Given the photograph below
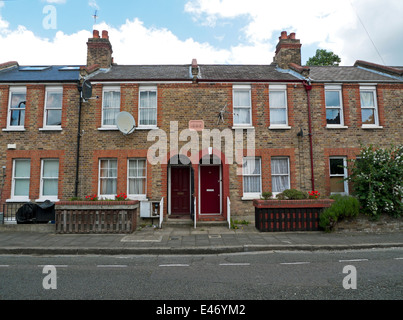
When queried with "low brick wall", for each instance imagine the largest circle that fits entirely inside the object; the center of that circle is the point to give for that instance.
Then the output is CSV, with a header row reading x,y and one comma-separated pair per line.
x,y
363,224
289,215
96,216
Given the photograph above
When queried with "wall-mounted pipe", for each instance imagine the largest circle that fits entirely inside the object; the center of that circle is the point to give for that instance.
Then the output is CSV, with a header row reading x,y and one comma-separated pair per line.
x,y
308,88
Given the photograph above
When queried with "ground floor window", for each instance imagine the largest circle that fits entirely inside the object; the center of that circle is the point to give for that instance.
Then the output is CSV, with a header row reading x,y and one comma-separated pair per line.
x,y
137,178
21,179
49,179
252,178
108,178
280,174
338,174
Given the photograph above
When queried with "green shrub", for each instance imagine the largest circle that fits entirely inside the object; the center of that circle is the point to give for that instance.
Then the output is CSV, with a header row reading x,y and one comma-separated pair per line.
x,y
377,180
343,207
266,195
292,194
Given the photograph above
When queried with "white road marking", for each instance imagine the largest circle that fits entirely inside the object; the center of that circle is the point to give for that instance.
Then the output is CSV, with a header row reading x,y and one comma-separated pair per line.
x,y
234,264
294,263
174,265
353,260
112,266
56,266
4,266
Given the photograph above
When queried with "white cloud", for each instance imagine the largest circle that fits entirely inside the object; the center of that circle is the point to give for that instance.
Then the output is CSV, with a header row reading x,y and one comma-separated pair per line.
x,y
332,25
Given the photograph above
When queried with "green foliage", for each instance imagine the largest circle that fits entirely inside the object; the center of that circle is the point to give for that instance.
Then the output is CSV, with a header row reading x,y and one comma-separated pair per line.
x,y
343,207
292,194
324,58
377,177
266,195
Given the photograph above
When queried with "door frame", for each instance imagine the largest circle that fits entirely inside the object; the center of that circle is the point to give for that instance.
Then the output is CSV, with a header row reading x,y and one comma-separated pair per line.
x,y
221,190
170,185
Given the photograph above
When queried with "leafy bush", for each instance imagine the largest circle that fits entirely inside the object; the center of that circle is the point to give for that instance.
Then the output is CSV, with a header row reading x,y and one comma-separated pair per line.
x,y
377,177
292,194
343,207
266,195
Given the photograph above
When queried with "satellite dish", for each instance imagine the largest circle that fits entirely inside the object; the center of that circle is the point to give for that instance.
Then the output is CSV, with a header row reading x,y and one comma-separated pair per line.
x,y
87,90
125,122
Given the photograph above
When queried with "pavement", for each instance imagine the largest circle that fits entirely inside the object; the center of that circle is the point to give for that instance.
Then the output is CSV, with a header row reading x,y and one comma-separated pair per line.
x,y
187,240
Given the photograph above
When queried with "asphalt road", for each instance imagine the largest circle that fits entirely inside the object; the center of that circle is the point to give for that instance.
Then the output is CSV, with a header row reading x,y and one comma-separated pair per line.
x,y
246,276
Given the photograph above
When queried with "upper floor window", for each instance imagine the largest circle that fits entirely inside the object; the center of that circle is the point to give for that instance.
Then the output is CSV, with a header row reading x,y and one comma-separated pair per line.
x,y
278,106
148,107
369,106
110,106
242,106
334,106
21,179
16,109
53,107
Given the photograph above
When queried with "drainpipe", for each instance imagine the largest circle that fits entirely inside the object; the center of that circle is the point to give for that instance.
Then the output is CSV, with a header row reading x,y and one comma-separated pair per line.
x,y
308,88
80,89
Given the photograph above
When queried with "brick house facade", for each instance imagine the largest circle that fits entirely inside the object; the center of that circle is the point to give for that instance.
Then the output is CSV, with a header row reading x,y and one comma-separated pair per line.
x,y
261,111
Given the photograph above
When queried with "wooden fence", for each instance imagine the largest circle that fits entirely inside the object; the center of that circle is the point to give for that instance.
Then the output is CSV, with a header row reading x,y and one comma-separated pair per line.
x,y
101,218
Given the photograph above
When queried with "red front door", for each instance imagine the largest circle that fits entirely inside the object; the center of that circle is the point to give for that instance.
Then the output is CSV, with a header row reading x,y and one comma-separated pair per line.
x,y
180,190
210,191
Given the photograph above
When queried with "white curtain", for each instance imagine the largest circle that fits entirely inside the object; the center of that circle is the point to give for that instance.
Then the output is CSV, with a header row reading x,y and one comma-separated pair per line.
x,y
278,108
251,175
111,107
137,177
148,108
108,176
242,108
280,175
367,99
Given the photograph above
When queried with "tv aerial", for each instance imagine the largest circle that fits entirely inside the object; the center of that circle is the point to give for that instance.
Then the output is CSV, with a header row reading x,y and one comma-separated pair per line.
x,y
125,123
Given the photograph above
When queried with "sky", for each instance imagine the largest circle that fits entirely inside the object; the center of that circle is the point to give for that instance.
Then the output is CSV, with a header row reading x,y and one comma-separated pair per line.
x,y
45,32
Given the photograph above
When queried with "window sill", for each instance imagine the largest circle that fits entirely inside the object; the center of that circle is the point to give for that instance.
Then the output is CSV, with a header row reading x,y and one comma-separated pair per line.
x,y
372,127
243,127
137,198
251,197
18,200
279,128
336,127
147,128
51,129
45,199
108,129
14,130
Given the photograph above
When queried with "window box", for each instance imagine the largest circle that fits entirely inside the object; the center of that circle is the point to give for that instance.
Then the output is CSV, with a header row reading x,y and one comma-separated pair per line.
x,y
289,215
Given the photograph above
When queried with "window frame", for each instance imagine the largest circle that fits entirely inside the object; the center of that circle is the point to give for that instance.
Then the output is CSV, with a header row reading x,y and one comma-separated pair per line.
x,y
242,88
16,90
132,195
335,88
275,193
373,90
107,89
345,174
107,196
251,195
45,116
283,89
148,89
41,196
13,197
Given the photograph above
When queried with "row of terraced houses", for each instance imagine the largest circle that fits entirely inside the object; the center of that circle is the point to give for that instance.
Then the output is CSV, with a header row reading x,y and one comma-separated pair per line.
x,y
289,126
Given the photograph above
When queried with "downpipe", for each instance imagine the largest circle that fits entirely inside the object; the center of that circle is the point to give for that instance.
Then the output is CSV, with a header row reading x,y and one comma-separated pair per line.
x,y
308,88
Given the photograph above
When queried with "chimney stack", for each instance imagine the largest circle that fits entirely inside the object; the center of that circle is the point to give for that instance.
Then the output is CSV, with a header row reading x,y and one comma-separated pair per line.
x,y
288,51
99,50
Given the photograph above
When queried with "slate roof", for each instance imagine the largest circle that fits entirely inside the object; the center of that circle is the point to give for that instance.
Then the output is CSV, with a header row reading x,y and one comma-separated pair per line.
x,y
183,73
50,74
348,74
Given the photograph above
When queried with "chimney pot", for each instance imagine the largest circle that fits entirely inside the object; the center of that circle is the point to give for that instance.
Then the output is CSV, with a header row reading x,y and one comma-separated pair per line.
x,y
284,35
292,36
105,34
95,34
